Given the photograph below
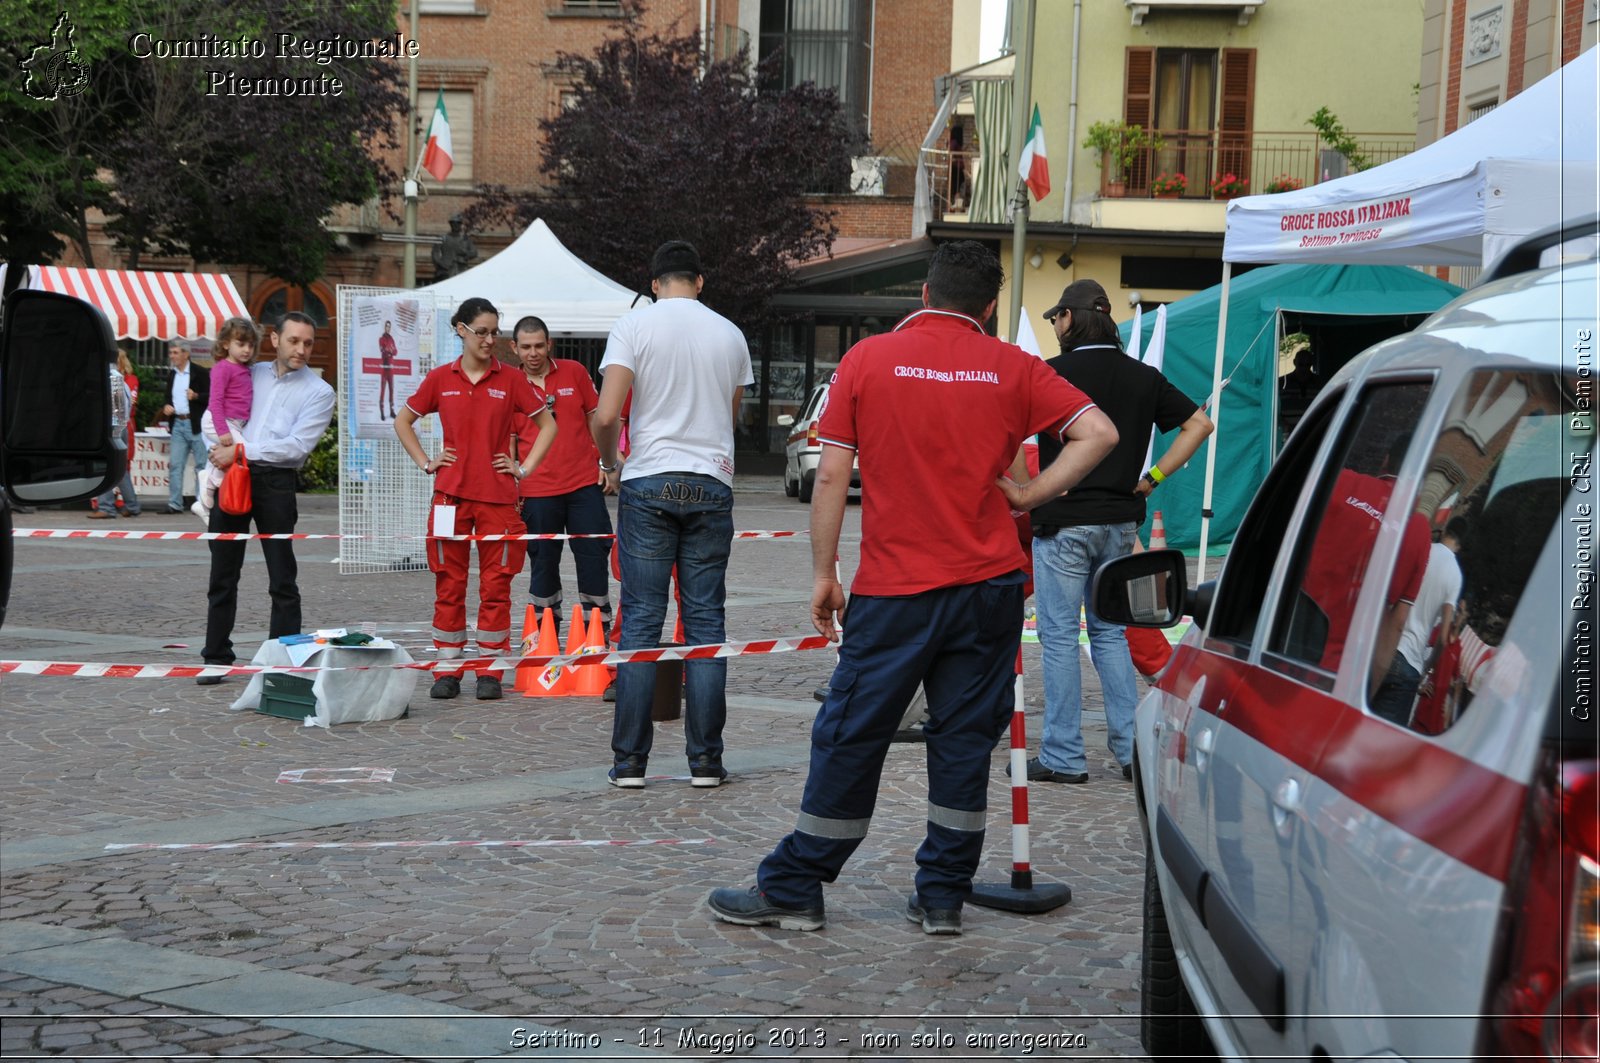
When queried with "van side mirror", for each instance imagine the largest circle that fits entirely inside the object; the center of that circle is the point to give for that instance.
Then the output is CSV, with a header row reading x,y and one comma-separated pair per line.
x,y
64,409
785,420
1141,590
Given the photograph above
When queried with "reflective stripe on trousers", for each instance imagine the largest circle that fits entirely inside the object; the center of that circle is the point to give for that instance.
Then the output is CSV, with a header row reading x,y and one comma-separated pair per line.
x,y
960,644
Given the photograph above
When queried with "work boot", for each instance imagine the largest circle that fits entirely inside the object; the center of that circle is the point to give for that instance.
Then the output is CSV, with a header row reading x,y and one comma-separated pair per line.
x,y
752,908
489,688
933,920
446,687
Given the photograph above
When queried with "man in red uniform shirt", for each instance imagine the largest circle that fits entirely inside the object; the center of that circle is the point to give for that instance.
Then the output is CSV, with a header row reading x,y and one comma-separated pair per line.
x,y
565,493
1345,539
937,598
475,486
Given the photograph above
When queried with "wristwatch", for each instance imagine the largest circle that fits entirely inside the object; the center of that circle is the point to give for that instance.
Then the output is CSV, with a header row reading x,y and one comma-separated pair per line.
x,y
609,468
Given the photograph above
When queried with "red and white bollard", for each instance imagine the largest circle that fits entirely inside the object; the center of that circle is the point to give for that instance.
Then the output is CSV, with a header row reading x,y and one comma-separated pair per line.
x,y
1021,894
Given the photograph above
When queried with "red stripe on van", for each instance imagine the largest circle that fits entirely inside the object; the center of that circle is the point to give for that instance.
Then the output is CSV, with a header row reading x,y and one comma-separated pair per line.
x,y
1433,794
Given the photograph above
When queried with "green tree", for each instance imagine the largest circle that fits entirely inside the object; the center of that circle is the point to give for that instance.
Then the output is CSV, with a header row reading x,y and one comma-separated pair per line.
x,y
177,169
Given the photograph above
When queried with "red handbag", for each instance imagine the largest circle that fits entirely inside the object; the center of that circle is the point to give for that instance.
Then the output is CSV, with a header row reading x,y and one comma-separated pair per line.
x,y
234,494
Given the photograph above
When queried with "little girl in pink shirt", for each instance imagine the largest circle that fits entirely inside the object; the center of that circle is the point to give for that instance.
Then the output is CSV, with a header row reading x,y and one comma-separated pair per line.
x,y
231,393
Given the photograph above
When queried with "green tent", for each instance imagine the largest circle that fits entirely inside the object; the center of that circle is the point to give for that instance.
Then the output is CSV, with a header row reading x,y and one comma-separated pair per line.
x,y
1329,314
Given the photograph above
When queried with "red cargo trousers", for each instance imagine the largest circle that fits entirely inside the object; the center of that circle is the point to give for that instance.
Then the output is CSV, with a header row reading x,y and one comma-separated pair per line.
x,y
498,563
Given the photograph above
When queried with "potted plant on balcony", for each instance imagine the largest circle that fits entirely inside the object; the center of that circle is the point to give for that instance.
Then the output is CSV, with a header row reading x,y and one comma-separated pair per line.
x,y
1120,147
1169,185
1285,183
1229,185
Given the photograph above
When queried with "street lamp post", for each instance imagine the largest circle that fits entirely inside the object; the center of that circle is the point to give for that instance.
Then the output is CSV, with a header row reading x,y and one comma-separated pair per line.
x,y
408,261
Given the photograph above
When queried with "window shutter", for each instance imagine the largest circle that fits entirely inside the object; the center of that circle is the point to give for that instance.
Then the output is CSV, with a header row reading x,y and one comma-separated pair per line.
x,y
1138,106
1236,114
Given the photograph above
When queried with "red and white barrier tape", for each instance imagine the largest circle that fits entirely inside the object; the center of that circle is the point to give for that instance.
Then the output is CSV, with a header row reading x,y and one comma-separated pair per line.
x,y
96,533
513,844
97,670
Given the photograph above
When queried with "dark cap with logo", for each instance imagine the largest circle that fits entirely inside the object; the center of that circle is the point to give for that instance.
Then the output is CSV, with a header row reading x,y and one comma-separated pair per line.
x,y
1080,295
675,256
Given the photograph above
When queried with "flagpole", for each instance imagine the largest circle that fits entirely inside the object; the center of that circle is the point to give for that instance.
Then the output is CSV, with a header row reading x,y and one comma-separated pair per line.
x,y
408,261
1021,102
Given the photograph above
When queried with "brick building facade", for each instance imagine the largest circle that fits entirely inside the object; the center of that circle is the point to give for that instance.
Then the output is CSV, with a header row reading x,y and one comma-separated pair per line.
x,y
1477,54
494,61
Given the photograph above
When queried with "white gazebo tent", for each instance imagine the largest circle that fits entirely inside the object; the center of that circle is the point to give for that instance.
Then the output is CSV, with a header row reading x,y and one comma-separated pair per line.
x,y
1461,201
536,274
382,502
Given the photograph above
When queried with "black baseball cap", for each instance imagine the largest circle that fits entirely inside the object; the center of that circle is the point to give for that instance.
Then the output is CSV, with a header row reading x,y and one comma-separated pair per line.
x,y
675,256
1080,295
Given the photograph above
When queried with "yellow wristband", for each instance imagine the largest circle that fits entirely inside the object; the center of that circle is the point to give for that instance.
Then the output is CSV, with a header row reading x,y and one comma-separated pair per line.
x,y
1156,474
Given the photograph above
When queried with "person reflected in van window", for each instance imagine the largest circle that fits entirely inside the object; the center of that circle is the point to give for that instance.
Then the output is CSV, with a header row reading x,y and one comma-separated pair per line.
x,y
1427,628
1344,542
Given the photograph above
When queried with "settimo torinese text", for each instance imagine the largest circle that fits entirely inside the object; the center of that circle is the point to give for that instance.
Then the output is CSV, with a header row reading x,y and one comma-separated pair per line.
x,y
321,51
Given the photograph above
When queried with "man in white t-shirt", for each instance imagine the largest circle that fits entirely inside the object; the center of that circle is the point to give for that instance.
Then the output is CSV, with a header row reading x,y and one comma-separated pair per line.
x,y
1434,607
687,367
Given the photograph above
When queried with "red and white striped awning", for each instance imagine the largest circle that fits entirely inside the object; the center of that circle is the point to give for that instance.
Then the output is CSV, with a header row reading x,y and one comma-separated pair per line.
x,y
146,305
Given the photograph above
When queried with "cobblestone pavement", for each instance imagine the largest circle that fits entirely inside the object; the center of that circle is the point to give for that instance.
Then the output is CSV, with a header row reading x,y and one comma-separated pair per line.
x,y
480,951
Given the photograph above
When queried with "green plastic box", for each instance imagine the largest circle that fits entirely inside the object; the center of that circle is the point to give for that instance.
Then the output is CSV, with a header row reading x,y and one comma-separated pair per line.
x,y
288,696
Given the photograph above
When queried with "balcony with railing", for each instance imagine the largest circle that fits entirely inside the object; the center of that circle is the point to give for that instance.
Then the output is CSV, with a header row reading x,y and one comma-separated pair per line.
x,y
1217,165
1183,173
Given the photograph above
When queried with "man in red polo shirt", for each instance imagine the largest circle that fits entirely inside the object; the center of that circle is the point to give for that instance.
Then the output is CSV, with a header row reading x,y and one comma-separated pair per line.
x,y
475,486
937,599
564,494
1345,539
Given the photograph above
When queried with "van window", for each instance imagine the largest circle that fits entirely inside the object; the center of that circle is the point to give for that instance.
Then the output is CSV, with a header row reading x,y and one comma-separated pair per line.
x,y
1494,486
1325,577
1243,585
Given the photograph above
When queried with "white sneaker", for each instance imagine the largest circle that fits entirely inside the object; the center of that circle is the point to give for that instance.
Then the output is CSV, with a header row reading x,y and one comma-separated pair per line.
x,y
199,510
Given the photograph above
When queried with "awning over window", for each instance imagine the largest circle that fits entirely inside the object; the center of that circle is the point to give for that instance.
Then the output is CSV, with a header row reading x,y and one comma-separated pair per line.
x,y
146,305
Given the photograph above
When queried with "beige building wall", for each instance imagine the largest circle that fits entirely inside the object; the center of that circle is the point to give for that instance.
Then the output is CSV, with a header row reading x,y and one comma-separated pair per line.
x,y
1356,57
1041,286
966,23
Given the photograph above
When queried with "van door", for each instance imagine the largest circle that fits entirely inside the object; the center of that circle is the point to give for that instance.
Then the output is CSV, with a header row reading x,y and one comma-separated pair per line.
x,y
1289,702
1202,687
1407,823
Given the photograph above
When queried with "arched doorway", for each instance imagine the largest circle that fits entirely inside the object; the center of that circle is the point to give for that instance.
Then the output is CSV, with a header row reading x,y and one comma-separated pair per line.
x,y
274,299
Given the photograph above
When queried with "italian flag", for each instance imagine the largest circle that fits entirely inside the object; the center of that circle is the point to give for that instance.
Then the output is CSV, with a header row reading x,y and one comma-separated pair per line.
x,y
438,156
1035,165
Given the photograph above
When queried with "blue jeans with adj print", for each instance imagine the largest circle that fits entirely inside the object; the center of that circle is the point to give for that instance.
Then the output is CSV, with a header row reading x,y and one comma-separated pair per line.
x,y
683,520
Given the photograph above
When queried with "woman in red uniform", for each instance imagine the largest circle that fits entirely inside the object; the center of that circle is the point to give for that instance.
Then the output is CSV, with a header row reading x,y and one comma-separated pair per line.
x,y
475,475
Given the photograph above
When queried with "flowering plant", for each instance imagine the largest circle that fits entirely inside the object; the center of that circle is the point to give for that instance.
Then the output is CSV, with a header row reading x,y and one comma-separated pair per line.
x,y
1165,184
1285,183
1229,185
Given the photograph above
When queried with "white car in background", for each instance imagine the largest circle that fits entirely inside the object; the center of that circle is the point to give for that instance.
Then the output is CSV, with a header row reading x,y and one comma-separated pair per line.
x,y
802,452
1331,874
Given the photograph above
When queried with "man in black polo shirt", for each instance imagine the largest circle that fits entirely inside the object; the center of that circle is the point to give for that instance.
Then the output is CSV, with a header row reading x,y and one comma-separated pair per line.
x,y
1094,523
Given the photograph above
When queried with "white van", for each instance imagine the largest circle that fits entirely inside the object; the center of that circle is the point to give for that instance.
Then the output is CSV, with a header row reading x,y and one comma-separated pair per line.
x,y
1368,777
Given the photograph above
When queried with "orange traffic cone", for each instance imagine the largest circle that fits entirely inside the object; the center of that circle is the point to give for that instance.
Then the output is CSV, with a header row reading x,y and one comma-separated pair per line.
x,y
530,631
592,678
567,684
1158,533
548,647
